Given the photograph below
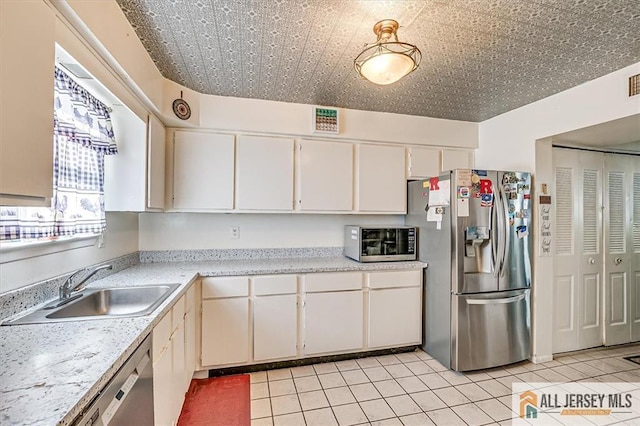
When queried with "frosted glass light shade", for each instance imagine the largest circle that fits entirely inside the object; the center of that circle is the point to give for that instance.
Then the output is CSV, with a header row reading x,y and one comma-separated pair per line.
x,y
387,68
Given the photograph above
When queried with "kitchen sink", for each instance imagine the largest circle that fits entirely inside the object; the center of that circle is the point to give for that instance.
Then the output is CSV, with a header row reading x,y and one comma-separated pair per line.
x,y
117,302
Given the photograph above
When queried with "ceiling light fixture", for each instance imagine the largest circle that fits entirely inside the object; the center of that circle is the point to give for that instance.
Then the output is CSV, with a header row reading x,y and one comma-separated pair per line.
x,y
387,60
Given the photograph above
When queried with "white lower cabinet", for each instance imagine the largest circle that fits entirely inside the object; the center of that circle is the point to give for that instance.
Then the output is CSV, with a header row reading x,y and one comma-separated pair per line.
x,y
333,312
395,308
275,317
333,322
225,321
251,320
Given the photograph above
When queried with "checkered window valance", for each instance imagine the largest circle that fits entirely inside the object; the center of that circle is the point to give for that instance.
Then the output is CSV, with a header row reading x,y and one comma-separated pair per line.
x,y
82,136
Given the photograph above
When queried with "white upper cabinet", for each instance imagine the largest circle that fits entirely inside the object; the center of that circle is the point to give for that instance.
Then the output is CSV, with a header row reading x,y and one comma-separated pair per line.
x,y
452,159
264,173
422,163
27,34
380,179
325,176
155,163
203,171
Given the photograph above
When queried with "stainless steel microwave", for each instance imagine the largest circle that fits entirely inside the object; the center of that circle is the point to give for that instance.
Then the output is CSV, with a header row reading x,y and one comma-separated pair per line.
x,y
380,243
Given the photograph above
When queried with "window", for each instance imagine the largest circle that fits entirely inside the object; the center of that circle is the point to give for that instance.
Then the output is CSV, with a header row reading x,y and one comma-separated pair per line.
x,y
83,135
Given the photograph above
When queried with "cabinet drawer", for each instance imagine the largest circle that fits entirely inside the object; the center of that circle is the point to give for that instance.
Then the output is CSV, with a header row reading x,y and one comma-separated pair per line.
x,y
160,337
217,287
390,279
275,284
332,281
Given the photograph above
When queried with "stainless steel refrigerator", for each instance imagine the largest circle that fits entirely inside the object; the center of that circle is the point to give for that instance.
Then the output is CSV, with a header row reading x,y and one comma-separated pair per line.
x,y
474,232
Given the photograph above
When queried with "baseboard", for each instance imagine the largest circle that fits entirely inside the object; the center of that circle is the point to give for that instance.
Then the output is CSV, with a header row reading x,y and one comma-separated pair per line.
x,y
539,359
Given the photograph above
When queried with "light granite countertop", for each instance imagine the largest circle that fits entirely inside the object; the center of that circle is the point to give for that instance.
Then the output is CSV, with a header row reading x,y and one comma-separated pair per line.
x,y
50,372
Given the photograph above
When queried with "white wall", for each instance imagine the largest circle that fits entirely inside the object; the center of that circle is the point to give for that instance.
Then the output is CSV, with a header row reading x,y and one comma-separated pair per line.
x,y
508,140
121,238
514,141
193,231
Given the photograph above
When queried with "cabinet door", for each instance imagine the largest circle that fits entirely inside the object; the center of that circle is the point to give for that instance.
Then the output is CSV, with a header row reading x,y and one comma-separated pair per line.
x,y
423,163
333,322
27,42
163,388
155,163
275,330
452,159
178,371
203,169
225,331
395,317
189,346
264,173
325,176
380,183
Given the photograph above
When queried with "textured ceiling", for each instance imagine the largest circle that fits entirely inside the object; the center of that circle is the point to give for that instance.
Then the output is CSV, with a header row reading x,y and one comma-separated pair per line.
x,y
480,57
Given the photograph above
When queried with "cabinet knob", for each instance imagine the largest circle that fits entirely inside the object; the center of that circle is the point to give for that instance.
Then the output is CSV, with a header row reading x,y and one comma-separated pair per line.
x,y
591,261
618,260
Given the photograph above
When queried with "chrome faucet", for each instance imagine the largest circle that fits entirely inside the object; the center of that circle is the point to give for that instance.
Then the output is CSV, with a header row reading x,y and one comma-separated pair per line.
x,y
67,288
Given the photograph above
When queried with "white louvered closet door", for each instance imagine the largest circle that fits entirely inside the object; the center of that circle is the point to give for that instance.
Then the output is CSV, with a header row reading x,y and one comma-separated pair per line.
x,y
618,291
635,248
577,313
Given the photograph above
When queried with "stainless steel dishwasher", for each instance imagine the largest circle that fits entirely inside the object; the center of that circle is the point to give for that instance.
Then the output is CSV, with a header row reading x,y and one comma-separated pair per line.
x,y
128,398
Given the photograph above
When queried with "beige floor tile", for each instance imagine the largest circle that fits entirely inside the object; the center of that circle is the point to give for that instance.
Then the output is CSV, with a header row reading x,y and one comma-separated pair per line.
x,y
368,363
313,400
260,408
388,422
495,409
364,392
377,374
377,409
473,392
306,384
451,396
258,377
408,357
494,388
259,390
339,396
265,421
346,365
389,388
282,387
418,367
388,360
398,370
331,380
434,381
445,417
419,419
472,415
412,384
303,371
295,419
428,401
321,417
552,376
324,368
350,414
436,365
454,377
285,405
355,377
403,405
281,374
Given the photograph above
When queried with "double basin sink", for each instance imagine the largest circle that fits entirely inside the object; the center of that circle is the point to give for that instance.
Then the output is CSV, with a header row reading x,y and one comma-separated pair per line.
x,y
116,302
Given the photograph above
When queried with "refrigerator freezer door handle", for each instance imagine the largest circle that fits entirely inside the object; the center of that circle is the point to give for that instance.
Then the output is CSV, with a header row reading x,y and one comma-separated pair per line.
x,y
494,239
496,301
506,239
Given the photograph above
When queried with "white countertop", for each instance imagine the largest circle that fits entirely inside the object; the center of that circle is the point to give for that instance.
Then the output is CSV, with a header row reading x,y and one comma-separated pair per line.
x,y
50,372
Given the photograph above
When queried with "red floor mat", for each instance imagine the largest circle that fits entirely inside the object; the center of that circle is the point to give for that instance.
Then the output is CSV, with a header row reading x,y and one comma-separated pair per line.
x,y
220,401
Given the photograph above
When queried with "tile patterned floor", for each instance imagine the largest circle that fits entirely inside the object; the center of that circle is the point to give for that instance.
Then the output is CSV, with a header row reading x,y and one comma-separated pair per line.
x,y
415,389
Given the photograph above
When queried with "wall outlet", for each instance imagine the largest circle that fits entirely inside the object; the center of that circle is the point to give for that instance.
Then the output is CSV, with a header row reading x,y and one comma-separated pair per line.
x,y
234,232
101,241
